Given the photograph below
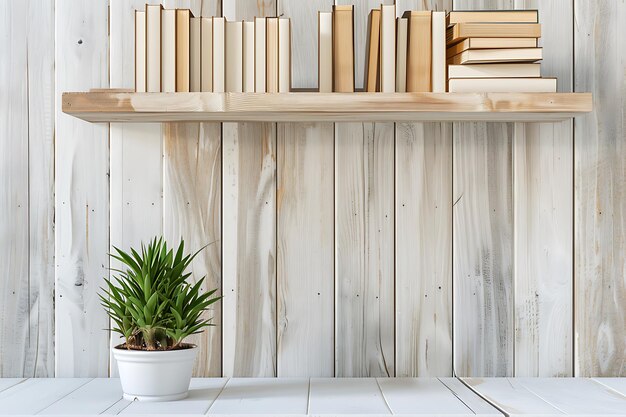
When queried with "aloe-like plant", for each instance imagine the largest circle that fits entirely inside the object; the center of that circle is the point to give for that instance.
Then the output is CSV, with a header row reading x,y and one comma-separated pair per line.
x,y
150,301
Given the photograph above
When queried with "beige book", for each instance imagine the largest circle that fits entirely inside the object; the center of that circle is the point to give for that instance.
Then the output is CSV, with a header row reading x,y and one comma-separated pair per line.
x,y
419,57
490,43
495,71
493,16
140,51
325,52
284,55
502,85
402,27
259,54
219,61
372,60
206,55
271,45
343,49
461,31
438,46
486,56
388,49
248,57
183,17
194,54
153,48
234,57
168,50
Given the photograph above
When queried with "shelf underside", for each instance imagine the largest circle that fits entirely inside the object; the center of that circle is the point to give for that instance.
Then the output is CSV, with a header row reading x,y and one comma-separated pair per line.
x,y
112,106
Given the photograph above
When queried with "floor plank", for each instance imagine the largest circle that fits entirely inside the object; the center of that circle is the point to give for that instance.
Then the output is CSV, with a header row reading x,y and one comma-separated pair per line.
x,y
35,395
6,383
346,396
95,397
479,406
618,384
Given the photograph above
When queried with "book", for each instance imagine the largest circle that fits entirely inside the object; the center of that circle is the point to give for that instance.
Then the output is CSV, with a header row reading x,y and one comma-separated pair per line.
x,y
485,56
248,57
402,27
372,60
343,49
438,60
284,55
259,54
492,16
271,56
153,48
168,50
219,61
495,71
183,17
194,53
140,51
388,48
490,43
419,56
206,54
325,52
502,85
460,31
234,57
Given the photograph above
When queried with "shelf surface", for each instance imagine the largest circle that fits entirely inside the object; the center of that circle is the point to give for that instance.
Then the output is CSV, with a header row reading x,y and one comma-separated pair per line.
x,y
116,106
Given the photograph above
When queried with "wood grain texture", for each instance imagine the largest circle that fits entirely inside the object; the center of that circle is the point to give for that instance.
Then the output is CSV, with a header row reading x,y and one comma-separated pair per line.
x,y
249,234
600,190
82,197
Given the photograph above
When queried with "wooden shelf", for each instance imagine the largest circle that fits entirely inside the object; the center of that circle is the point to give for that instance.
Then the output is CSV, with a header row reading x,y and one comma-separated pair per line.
x,y
115,106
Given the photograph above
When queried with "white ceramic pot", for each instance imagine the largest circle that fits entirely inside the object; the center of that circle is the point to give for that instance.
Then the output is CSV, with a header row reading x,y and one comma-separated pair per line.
x,y
155,375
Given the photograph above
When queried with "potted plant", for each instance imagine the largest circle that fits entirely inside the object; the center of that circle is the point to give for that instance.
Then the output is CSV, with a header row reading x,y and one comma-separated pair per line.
x,y
154,308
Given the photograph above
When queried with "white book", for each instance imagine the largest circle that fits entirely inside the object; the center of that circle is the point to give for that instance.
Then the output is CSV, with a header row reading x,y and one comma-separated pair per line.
x,y
259,54
194,54
502,85
168,50
153,48
325,52
495,71
218,54
248,57
206,55
284,55
438,62
140,51
388,48
234,57
402,31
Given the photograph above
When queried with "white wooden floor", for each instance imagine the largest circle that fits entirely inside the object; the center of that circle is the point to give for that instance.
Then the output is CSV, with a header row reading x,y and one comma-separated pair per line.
x,y
327,396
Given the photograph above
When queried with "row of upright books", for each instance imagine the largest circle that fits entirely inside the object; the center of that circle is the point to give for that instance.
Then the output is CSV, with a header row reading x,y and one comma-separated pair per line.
x,y
178,52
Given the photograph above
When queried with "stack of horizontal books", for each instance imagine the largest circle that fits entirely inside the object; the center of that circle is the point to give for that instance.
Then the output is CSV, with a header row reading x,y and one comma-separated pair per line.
x,y
495,51
178,52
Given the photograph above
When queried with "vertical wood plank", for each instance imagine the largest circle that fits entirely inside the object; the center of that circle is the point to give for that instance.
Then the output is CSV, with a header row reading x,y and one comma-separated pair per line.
x,y
249,234
600,190
81,190
423,240
543,215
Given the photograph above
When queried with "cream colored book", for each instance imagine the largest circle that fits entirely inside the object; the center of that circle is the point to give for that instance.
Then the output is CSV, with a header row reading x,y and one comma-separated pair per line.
x,y
183,17
153,48
234,57
419,56
168,50
248,57
259,54
194,54
271,57
284,55
388,48
325,52
502,85
343,49
206,55
485,56
218,54
495,71
372,62
438,71
402,27
140,51
461,31
490,43
493,16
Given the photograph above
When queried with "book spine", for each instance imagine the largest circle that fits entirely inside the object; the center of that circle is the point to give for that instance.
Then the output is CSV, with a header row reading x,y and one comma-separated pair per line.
x,y
206,67
218,54
234,57
259,54
388,48
248,57
439,52
284,55
194,54
325,52
153,48
140,51
401,42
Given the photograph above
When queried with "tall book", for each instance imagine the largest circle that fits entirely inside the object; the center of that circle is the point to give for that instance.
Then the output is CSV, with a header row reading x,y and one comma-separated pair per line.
x,y
485,56
438,46
284,55
343,49
183,17
219,39
248,57
502,85
372,59
140,51
206,55
234,57
153,48
259,54
194,54
168,50
402,27
419,57
325,52
271,57
388,48
461,31
493,16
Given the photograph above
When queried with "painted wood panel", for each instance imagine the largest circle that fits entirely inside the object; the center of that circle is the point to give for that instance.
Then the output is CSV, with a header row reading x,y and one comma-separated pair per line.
x,y
81,194
249,234
240,396
600,190
345,396
36,394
